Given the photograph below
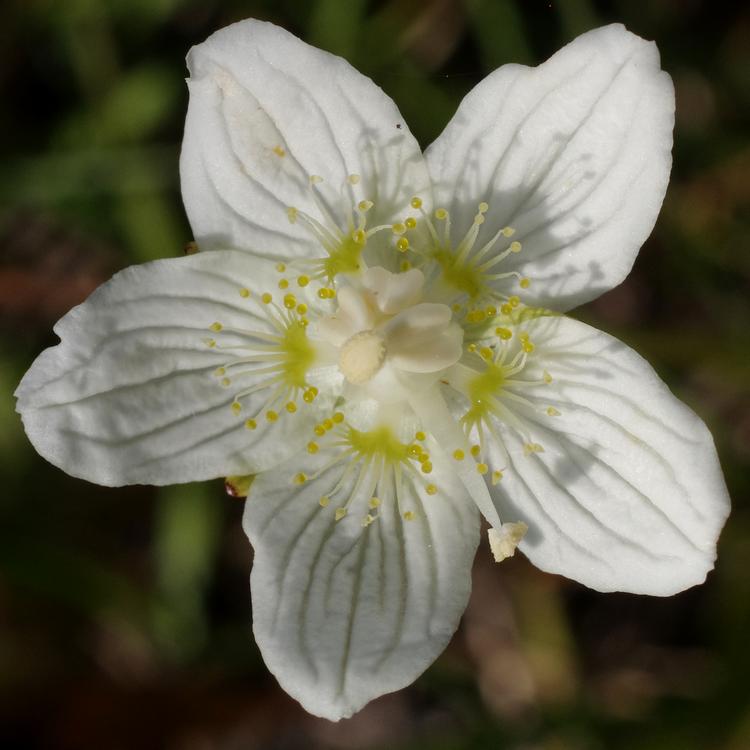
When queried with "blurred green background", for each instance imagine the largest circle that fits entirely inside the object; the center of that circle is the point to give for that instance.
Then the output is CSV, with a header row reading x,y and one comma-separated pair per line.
x,y
124,614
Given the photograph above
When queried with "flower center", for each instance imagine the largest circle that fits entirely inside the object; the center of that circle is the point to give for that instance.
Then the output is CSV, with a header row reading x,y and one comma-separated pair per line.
x,y
361,356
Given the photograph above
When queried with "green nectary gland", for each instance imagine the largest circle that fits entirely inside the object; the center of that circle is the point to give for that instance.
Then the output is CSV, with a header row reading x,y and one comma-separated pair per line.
x,y
299,355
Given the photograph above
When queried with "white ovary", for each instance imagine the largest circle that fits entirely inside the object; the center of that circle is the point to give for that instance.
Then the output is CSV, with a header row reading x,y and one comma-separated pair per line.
x,y
387,340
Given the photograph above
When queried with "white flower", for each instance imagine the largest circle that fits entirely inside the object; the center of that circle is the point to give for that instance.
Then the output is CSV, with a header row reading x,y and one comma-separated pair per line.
x,y
366,331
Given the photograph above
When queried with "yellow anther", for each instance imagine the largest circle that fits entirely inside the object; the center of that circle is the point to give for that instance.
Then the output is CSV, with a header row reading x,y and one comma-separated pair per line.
x,y
491,311
271,415
486,353
416,202
530,448
456,307
291,214
319,430
290,301
250,424
515,246
266,298
398,228
281,267
431,489
409,515
496,476
402,244
479,219
312,447
302,308
476,450
414,451
308,397
405,266
291,407
410,222
506,309
303,280
527,346
458,454
210,343
339,514
365,206
299,478
426,467
441,214
504,333
338,417
514,301
374,502
236,407
244,292
323,502
353,179
483,208
483,468
471,348
552,412
219,371
367,520
424,456
225,382
216,326
326,293
547,377
327,424
315,179
359,236
508,231
524,283
420,436
283,284
279,151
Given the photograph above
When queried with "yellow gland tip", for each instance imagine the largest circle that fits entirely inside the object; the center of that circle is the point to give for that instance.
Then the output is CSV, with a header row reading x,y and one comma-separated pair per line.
x,y
402,244
441,214
216,326
312,447
365,206
244,292
225,382
300,478
374,502
416,202
338,417
547,377
496,477
266,298
524,283
458,454
323,502
530,448
426,467
431,489
482,468
291,214
515,246
236,407
552,412
339,514
353,179
250,424
283,284
476,450
280,267
279,151
409,515
291,407
420,436
271,416
411,223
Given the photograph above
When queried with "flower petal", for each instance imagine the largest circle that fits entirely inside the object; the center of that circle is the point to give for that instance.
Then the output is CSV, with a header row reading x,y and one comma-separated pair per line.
x,y
132,394
627,494
266,113
344,612
575,155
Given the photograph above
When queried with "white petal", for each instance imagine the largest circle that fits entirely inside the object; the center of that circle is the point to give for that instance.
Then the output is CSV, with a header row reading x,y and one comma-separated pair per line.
x,y
131,394
344,613
574,154
628,494
393,292
267,112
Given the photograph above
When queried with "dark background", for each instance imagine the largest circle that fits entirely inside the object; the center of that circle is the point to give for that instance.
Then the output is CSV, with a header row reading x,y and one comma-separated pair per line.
x,y
124,614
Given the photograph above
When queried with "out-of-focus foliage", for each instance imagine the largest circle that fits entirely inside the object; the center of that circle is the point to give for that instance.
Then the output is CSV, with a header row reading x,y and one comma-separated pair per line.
x,y
124,614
